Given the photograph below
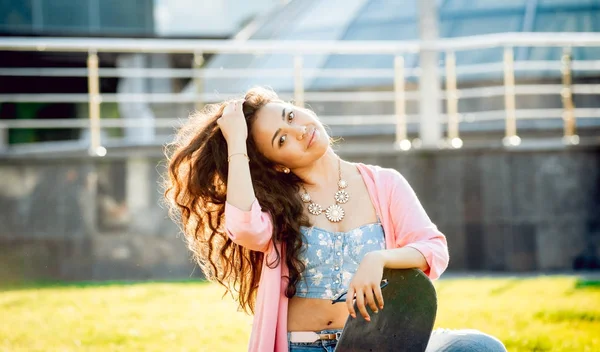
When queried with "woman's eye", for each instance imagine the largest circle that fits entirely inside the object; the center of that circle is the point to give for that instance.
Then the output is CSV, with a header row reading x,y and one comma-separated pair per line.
x,y
282,140
291,116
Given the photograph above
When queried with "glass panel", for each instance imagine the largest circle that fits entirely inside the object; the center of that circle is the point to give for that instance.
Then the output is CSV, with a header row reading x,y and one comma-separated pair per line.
x,y
16,15
467,5
66,15
275,61
293,22
480,56
354,62
382,31
126,16
359,61
329,33
239,85
231,61
331,13
567,22
477,26
385,10
567,2
546,53
480,25
280,22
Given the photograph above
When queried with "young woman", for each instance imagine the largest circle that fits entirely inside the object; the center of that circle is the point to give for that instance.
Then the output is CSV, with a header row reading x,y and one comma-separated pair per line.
x,y
273,214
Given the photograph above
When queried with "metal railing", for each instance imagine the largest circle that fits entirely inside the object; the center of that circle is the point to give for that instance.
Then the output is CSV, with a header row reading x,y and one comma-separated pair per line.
x,y
300,49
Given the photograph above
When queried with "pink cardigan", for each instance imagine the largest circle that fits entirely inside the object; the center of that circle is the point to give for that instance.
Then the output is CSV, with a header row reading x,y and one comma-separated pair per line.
x,y
405,224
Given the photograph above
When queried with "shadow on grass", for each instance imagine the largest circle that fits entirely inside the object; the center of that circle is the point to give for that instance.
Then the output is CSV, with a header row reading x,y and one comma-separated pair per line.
x,y
587,284
532,343
560,316
505,287
41,285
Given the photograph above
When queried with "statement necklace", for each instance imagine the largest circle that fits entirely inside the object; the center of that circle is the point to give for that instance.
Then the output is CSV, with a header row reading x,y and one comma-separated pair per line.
x,y
333,213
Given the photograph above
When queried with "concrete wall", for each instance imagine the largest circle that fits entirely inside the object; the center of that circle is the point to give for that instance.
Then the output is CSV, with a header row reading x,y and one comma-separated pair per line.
x,y
77,218
509,210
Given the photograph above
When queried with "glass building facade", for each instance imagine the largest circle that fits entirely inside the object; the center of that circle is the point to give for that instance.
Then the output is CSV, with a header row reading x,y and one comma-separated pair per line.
x,y
398,20
77,17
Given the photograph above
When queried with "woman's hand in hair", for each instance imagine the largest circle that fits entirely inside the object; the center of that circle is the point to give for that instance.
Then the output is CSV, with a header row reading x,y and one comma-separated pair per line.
x,y
233,124
366,286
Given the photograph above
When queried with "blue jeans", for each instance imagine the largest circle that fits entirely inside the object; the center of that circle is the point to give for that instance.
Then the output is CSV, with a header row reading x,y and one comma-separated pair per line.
x,y
322,346
442,340
446,340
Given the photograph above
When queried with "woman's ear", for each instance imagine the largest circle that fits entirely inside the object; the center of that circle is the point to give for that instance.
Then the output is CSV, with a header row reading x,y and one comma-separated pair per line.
x,y
280,168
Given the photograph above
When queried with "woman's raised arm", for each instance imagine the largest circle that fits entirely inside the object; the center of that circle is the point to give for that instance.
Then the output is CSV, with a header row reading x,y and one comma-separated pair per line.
x,y
245,223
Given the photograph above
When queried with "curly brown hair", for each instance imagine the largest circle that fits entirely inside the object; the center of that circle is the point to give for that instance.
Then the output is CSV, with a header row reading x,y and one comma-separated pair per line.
x,y
196,190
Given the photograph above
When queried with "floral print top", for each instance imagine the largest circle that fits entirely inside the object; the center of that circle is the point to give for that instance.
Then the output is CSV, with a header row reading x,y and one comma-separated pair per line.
x,y
332,258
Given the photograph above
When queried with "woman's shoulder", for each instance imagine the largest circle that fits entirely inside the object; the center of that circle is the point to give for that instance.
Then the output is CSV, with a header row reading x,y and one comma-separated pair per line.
x,y
380,174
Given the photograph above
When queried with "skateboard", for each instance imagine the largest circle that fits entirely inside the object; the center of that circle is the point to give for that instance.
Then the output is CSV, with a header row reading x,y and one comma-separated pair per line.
x,y
404,324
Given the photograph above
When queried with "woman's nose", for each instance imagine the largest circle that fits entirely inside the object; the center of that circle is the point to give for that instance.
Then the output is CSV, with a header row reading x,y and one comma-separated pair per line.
x,y
301,133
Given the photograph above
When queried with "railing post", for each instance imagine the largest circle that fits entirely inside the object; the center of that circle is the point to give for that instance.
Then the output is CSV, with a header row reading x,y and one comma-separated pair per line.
x,y
197,79
94,104
3,137
430,128
510,138
402,142
452,101
570,137
298,82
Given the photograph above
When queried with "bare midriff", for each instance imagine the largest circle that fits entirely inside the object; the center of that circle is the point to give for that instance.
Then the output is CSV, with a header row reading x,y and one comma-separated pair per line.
x,y
313,314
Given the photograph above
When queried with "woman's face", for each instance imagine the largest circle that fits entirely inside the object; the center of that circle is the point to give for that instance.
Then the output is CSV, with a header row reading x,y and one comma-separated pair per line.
x,y
289,136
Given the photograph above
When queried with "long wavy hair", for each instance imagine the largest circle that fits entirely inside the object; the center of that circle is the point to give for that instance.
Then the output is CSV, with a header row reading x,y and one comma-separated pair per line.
x,y
196,190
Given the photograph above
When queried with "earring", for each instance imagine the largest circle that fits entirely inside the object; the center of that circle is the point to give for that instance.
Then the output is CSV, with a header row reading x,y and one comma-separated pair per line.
x,y
286,170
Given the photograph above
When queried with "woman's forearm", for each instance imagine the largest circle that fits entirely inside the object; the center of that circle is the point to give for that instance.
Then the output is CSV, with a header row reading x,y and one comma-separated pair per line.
x,y
402,258
240,192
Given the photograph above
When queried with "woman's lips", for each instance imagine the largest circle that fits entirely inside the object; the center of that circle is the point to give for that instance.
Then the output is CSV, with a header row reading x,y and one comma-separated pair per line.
x,y
312,138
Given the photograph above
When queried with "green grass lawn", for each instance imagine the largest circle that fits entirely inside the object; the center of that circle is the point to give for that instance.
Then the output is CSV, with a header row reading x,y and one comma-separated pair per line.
x,y
538,314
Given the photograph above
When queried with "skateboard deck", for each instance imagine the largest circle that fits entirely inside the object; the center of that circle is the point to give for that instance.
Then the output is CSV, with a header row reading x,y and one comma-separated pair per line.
x,y
404,324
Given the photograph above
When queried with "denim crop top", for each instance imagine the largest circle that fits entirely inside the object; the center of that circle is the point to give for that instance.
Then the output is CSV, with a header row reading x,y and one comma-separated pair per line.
x,y
332,258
